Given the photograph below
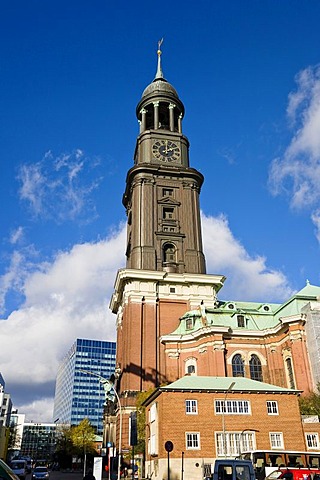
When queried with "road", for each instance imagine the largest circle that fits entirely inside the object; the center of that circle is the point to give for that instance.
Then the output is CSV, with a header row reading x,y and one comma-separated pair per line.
x,y
61,475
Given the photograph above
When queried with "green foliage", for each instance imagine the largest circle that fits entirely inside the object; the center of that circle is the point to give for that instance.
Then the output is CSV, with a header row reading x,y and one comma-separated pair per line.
x,y
14,437
310,405
141,420
83,436
74,440
64,440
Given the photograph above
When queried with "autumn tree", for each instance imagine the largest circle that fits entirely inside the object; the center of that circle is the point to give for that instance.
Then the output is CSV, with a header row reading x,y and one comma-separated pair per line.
x,y
83,438
75,440
310,404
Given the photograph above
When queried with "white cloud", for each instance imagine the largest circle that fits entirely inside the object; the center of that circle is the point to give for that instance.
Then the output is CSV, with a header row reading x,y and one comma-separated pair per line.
x,y
13,278
297,172
38,410
65,300
69,297
248,278
60,188
16,235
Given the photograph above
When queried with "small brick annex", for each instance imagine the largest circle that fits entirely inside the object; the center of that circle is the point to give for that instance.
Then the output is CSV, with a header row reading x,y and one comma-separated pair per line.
x,y
168,419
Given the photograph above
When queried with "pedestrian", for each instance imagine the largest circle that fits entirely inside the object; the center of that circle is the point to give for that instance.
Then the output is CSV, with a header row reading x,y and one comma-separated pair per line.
x,y
89,476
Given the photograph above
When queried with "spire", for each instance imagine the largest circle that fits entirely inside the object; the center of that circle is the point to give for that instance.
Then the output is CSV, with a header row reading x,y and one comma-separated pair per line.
x,y
159,73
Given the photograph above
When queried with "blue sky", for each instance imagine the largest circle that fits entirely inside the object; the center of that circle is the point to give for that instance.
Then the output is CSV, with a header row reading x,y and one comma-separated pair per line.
x,y
71,75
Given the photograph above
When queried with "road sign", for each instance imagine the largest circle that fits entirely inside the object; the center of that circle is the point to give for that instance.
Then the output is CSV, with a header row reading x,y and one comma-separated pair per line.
x,y
168,446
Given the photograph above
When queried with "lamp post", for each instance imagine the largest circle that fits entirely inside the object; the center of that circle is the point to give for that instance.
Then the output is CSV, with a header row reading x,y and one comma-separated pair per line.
x,y
110,393
223,416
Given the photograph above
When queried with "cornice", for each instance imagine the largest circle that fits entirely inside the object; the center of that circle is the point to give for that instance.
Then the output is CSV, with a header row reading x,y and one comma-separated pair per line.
x,y
127,276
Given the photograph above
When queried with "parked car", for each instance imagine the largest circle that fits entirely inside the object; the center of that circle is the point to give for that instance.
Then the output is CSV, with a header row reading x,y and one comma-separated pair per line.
x,y
40,473
290,473
19,467
229,469
6,473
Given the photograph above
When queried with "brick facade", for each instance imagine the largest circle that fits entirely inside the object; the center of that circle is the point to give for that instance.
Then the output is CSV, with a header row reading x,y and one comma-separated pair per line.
x,y
172,423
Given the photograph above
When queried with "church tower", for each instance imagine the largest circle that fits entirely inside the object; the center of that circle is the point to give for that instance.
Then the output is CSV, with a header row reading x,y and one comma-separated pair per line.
x,y
165,273
162,191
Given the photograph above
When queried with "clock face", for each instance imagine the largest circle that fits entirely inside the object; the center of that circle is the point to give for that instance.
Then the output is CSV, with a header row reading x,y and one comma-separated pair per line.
x,y
166,150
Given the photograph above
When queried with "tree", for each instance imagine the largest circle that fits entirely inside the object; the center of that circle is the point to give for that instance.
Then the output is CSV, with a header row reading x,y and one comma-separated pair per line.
x,y
141,420
14,437
83,438
76,440
310,405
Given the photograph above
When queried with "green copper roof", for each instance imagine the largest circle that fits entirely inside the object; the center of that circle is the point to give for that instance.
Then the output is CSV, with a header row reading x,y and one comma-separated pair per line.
x,y
223,384
310,291
257,317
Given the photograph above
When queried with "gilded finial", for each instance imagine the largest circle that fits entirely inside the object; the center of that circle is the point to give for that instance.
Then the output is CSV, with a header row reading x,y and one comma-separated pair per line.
x,y
159,46
159,73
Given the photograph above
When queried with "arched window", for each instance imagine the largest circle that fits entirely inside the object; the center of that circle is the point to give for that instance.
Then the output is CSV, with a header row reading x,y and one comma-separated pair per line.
x,y
255,368
169,253
290,373
191,366
237,366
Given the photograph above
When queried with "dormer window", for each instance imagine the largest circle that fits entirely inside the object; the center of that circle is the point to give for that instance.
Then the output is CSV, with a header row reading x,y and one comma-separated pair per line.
x,y
240,320
231,306
189,323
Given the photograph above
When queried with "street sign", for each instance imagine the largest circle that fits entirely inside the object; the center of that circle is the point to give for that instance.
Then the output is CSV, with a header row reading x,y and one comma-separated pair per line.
x,y
168,446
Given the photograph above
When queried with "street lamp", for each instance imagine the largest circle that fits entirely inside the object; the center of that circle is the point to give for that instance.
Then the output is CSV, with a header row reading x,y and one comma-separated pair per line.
x,y
110,394
223,418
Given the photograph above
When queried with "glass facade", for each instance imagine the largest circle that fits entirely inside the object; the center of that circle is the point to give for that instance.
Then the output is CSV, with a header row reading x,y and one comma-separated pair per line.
x,y
38,441
79,395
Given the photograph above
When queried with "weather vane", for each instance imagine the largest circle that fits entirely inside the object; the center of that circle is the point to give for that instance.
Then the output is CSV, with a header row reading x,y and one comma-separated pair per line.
x,y
159,46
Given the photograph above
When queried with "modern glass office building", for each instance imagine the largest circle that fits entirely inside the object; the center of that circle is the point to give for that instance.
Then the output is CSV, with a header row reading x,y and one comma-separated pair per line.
x,y
80,395
38,441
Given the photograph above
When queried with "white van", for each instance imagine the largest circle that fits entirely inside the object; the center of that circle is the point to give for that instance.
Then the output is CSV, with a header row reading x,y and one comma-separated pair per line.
x,y
19,467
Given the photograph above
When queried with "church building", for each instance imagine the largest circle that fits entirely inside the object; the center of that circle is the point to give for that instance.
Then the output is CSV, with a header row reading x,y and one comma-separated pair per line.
x,y
171,321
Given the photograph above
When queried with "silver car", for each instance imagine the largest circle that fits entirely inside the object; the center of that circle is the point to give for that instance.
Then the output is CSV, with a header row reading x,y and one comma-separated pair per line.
x,y
40,473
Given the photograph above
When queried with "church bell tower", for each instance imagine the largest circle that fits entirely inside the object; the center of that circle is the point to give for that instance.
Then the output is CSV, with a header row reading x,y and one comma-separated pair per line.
x,y
162,191
165,274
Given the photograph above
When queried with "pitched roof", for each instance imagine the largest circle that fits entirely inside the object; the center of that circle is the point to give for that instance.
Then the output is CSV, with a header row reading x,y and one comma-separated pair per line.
x,y
223,384
230,385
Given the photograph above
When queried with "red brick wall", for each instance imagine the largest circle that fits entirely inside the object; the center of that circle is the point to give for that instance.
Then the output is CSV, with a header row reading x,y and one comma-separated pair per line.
x,y
142,324
173,421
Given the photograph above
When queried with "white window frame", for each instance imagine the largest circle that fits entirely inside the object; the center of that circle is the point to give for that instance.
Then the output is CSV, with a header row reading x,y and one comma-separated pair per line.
x,y
276,440
312,440
194,439
153,412
191,407
153,444
272,407
189,323
234,443
232,407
